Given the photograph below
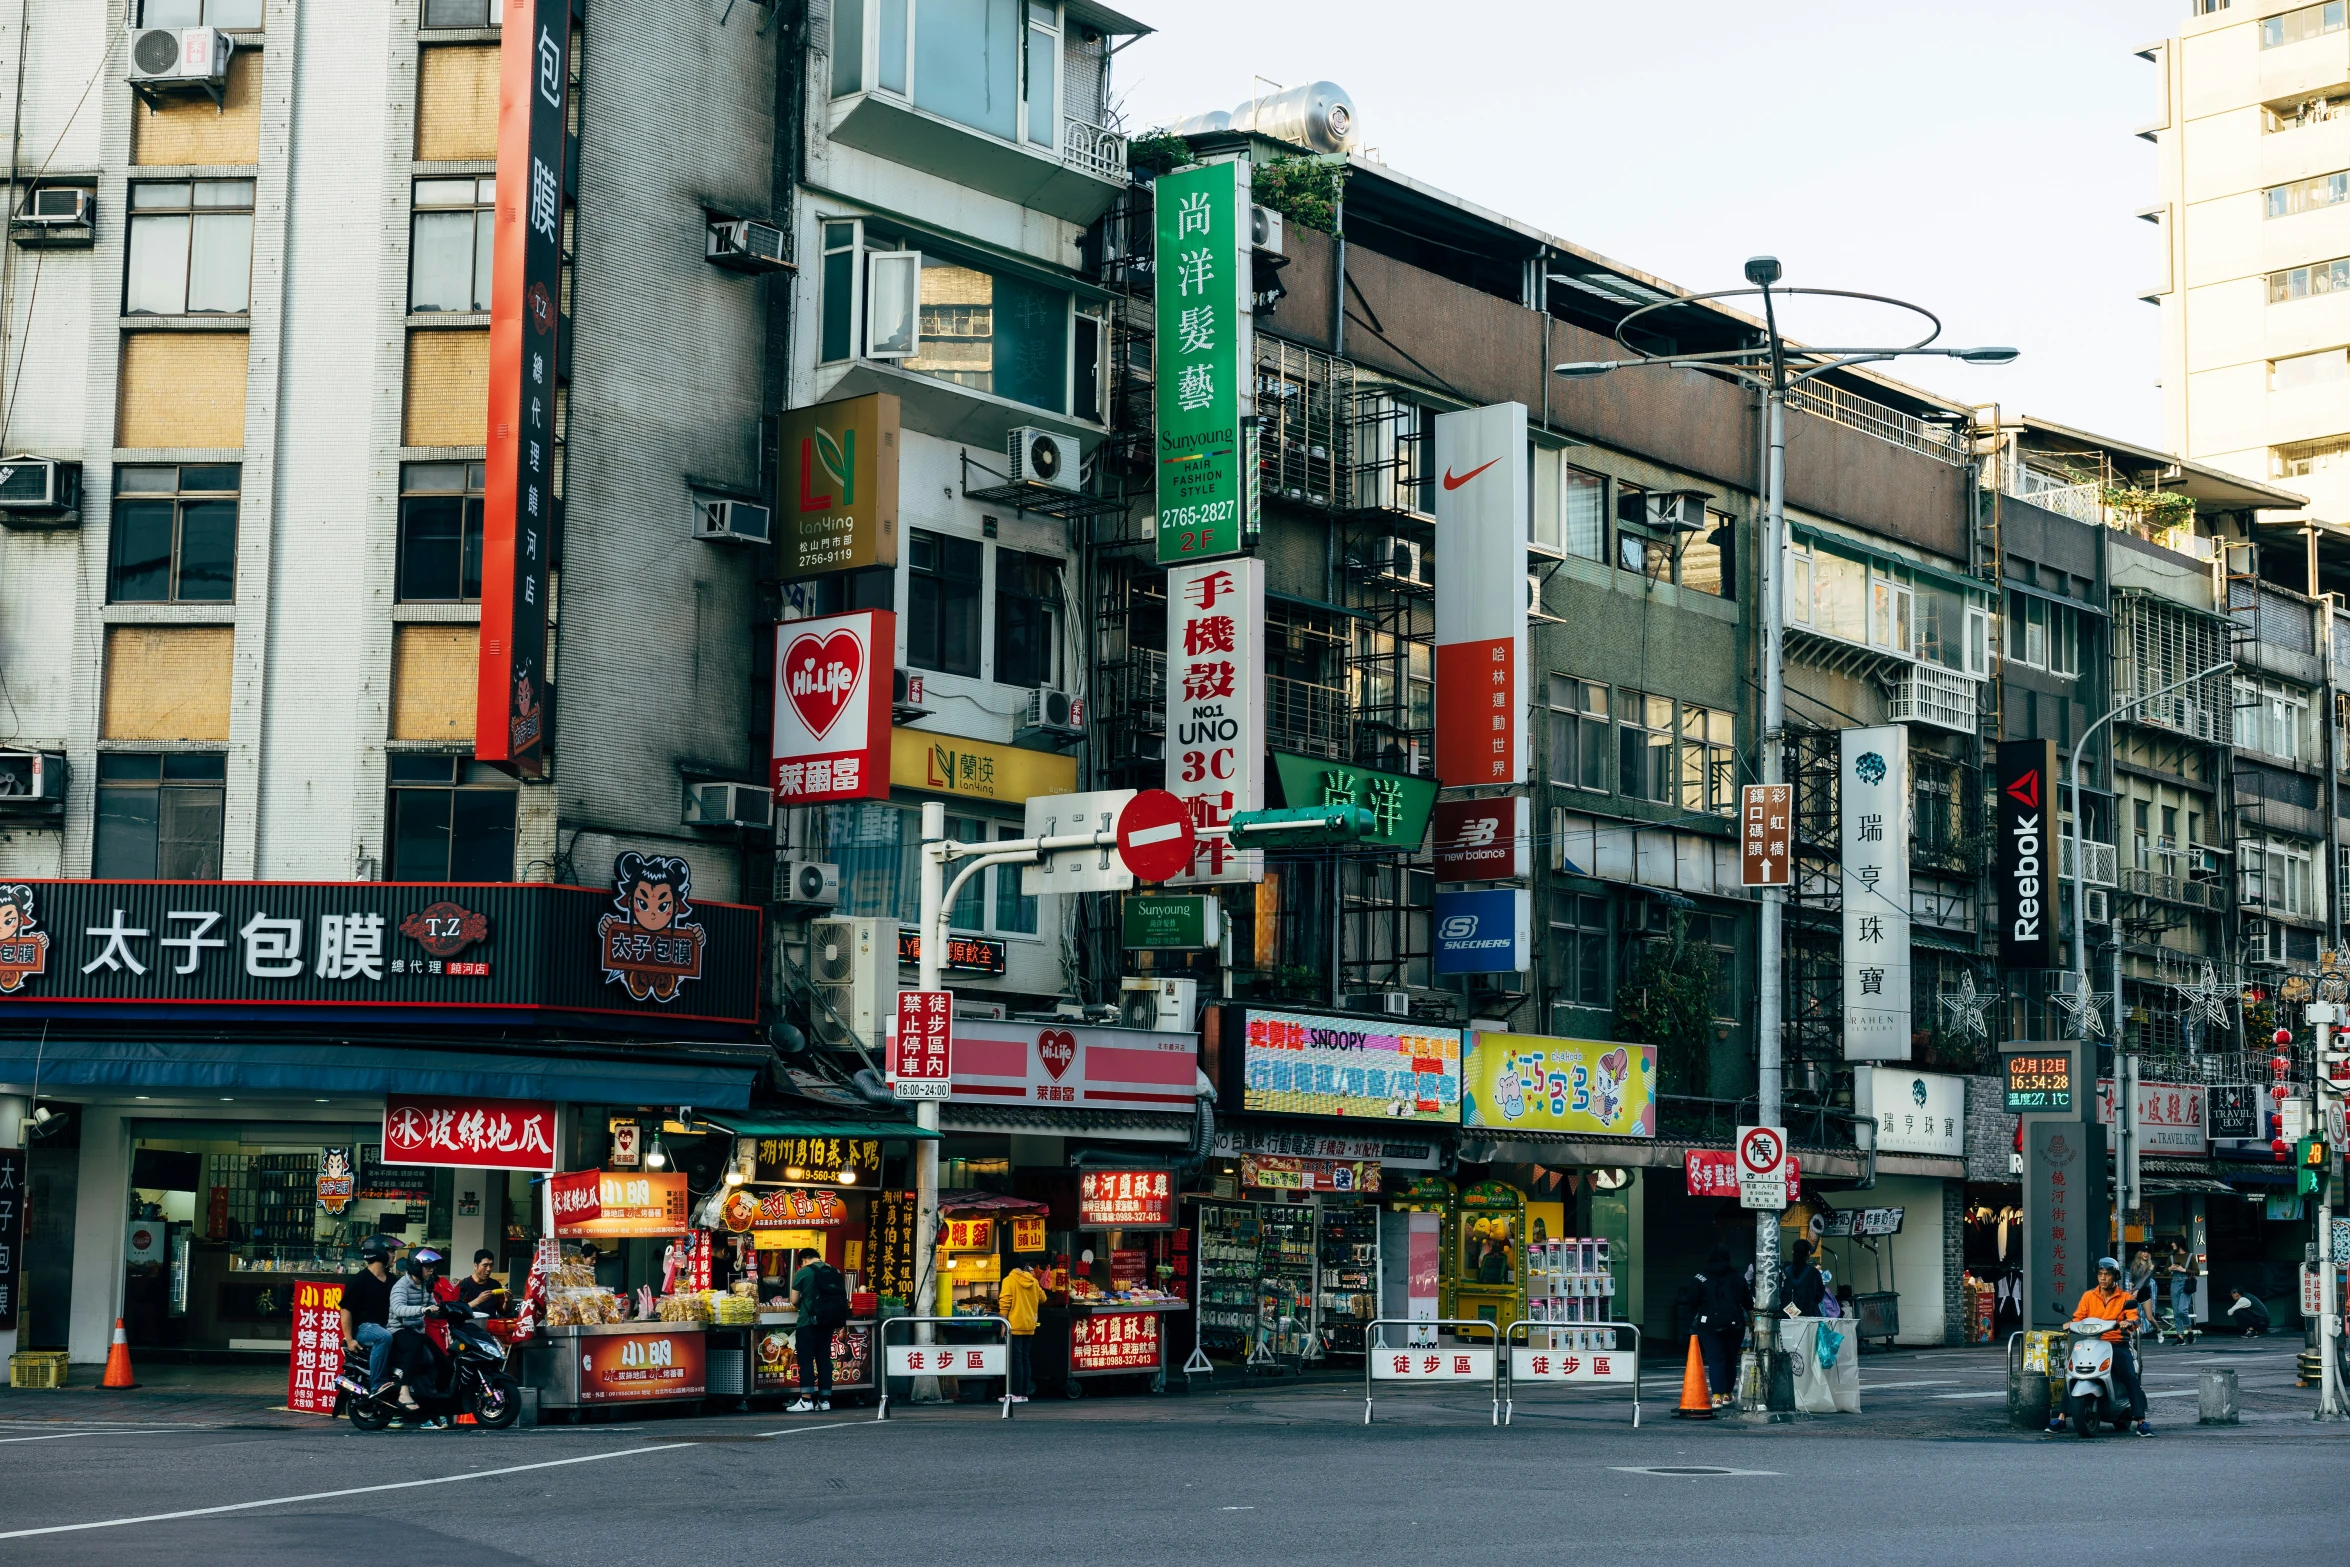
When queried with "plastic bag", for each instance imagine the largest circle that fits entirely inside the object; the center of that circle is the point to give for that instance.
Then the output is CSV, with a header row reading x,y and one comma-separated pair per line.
x,y
1827,1346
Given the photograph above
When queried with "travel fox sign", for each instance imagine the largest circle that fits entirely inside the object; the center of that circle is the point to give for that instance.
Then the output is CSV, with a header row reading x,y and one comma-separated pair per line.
x,y
1206,425
832,707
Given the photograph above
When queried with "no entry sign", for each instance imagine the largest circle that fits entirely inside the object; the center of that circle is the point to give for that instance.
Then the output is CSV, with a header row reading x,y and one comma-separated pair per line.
x,y
1762,1167
1155,836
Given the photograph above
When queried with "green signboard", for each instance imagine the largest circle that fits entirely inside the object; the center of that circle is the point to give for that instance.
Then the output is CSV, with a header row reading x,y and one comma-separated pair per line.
x,y
1172,923
1398,805
1206,450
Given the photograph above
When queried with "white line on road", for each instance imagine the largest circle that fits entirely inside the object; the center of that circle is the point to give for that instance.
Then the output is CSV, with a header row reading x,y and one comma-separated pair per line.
x,y
59,1436
1886,1387
1994,1393
836,1425
2176,1392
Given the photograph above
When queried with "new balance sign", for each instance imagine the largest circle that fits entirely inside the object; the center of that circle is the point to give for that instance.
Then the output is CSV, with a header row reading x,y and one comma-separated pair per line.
x,y
2026,878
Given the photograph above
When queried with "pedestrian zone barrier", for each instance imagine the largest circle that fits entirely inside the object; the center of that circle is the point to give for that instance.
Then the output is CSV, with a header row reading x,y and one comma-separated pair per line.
x,y
946,1360
1529,1362
1430,1362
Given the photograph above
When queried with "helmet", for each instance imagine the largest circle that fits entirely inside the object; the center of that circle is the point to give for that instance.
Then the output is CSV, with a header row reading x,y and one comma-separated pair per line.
x,y
421,1258
2104,1263
378,1248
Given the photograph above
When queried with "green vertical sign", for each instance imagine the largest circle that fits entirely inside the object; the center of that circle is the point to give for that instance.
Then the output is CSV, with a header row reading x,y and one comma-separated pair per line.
x,y
1207,480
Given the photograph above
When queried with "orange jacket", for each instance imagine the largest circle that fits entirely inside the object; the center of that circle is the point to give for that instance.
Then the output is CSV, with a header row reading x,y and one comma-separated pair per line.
x,y
2114,1305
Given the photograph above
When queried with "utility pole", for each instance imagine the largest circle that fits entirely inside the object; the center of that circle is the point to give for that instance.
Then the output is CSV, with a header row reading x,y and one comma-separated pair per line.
x,y
2323,1016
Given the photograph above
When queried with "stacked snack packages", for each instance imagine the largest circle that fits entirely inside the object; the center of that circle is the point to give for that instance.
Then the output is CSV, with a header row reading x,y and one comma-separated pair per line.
x,y
574,1299
738,1307
686,1306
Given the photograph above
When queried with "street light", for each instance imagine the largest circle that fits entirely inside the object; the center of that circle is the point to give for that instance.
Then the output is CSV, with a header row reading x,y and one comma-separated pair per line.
x,y
1773,366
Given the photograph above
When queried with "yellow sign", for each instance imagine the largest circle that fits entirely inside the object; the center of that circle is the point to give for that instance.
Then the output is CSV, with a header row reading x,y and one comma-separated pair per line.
x,y
975,769
1526,1082
1027,1235
839,506
967,1234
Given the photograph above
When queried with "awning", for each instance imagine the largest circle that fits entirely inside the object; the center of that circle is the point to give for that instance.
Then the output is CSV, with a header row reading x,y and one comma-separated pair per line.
x,y
970,1199
2174,1185
1127,1126
762,1124
2237,1176
370,1069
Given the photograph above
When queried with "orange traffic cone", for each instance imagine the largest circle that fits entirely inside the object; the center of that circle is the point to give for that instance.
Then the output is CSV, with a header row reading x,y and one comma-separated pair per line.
x,y
1697,1403
118,1361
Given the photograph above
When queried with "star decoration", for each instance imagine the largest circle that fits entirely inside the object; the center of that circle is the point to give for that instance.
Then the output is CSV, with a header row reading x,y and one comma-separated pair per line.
x,y
1965,1007
2086,1008
2206,998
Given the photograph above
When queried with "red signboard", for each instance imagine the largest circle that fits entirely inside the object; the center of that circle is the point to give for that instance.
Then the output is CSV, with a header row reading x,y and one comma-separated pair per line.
x,y
317,1357
1483,840
1156,837
1125,1199
1713,1172
778,1363
1120,1341
832,707
578,1197
469,1134
620,1203
661,1363
920,1054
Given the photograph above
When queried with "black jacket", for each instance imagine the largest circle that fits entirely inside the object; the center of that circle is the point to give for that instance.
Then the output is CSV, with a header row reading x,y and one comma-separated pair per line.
x,y
1806,1289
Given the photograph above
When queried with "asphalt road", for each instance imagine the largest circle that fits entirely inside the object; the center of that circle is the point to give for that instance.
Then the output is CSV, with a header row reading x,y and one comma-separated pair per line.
x,y
1929,1474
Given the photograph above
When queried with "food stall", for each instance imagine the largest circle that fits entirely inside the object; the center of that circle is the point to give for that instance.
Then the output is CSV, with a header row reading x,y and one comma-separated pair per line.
x,y
601,1348
1119,1287
775,1225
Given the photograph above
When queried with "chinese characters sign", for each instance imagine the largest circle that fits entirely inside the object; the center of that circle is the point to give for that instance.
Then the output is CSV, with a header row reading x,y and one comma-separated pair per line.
x,y
1479,496
615,1368
12,1230
959,1360
317,1357
2039,1084
1121,1341
840,497
1207,479
1919,1112
967,1234
1216,706
609,1203
519,523
1027,1235
1439,1364
893,1245
816,1159
2065,1216
1399,805
832,707
1558,1365
1873,785
1125,1199
1766,835
470,1134
1530,1082
1074,1065
965,954
1301,1064
2169,1118
1713,1172
1291,1173
919,1055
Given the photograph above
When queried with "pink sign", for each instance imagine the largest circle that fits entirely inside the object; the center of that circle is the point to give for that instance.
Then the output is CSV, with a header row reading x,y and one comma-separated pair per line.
x,y
925,1037
469,1134
1088,1068
1713,1172
2170,1116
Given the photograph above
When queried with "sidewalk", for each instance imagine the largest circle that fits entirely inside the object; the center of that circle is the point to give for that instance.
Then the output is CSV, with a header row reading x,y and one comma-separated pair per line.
x,y
168,1393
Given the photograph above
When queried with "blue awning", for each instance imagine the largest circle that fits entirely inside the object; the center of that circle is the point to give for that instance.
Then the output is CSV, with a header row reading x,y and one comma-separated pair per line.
x,y
371,1069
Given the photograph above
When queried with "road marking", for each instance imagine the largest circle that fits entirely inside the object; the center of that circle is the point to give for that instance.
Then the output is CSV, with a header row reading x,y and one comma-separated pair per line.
x,y
1993,1394
1885,1387
836,1425
59,1436
2176,1392
356,1490
1667,1471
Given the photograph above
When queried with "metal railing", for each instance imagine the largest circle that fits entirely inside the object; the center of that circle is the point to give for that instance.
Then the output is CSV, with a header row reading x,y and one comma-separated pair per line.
x,y
1432,1362
1568,1365
1095,149
1302,716
2101,859
1870,417
2169,888
959,1360
2081,502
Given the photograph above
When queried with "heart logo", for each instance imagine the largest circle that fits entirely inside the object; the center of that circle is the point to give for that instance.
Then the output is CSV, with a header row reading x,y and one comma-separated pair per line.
x,y
1058,1047
819,674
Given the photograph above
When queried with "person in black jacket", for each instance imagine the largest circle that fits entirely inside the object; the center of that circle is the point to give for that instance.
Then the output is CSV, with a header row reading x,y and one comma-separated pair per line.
x,y
1805,1286
1719,1321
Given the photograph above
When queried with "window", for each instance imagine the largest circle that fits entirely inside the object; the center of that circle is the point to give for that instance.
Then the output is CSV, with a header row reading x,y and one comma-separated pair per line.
x,y
2290,27
1015,911
2319,369
877,848
994,332
2269,718
1583,514
2296,113
1636,550
840,289
2321,277
1891,608
1578,733
440,532
464,13
1709,764
1382,659
1027,618
451,820
159,816
227,15
942,603
893,289
1937,805
2141,836
449,258
2324,190
1644,746
175,535
1799,586
2042,635
2276,874
1040,70
1707,559
2303,458
1839,596
191,248
1577,956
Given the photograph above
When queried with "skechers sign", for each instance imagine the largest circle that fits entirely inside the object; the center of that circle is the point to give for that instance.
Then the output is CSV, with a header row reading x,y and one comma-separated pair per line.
x,y
1486,932
2027,854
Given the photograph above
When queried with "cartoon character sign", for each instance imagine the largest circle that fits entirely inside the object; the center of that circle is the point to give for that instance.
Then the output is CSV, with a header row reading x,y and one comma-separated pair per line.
x,y
24,949
336,1181
654,944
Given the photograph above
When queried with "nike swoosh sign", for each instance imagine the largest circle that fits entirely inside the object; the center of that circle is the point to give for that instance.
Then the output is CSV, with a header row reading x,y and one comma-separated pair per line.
x,y
1452,483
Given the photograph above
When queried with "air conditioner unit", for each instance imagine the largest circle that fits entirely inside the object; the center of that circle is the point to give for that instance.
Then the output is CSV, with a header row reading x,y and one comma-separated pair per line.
x,y
1264,229
1168,1005
854,964
1398,560
746,245
807,883
1395,1003
37,491
1053,712
1678,511
2096,905
180,56
55,212
32,781
1043,457
733,522
729,805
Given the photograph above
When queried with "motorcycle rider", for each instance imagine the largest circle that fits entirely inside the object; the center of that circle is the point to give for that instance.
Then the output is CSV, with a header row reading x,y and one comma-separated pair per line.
x,y
366,1306
2112,1300
413,1298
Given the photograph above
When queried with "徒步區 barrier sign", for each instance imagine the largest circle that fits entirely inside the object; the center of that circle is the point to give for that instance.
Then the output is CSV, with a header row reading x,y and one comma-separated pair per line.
x,y
1432,1365
1564,1365
317,1357
922,1054
1762,1167
938,1360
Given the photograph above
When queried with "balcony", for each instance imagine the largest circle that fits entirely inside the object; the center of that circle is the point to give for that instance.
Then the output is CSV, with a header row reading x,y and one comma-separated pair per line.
x,y
1302,716
2187,891
1075,181
1925,694
2103,863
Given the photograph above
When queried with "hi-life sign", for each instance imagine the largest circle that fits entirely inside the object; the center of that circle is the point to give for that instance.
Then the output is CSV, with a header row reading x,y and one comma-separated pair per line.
x,y
1206,408
2025,875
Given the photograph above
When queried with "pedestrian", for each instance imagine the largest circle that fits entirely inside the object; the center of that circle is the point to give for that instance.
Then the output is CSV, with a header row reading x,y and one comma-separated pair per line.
x,y
1018,1300
2182,1285
1806,1285
821,1297
2140,1283
2249,1312
1720,1321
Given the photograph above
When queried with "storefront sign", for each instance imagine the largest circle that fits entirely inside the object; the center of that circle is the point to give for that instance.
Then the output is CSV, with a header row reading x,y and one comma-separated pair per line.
x,y
1766,815
778,1362
1027,1235
1400,1152
617,1368
469,1134
967,1234
624,1203
893,1245
1484,840
1919,1112
965,954
338,1179
385,946
1216,706
381,1182
923,1046
1713,1172
1528,1082
1083,1067
1114,1341
2233,1111
819,1159
948,1360
1207,487
13,1193
1399,805
1302,1063
1482,511
1125,1199
1485,932
840,487
1439,1364
1287,1173
1172,924
1567,1365
1874,815
317,1357
2169,1119
2038,1082
797,1208
976,769
2064,1216
519,508
627,1144
2024,878
833,685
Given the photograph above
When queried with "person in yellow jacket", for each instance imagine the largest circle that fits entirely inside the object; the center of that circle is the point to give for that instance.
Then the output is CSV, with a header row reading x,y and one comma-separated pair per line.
x,y
2110,1300
1018,1298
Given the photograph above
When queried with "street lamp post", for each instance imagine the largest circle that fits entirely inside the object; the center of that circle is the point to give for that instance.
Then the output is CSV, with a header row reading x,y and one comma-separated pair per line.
x,y
1774,367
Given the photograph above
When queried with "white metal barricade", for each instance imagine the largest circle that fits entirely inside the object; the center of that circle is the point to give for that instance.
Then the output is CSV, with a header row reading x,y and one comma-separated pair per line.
x,y
1582,1367
1427,1363
946,1360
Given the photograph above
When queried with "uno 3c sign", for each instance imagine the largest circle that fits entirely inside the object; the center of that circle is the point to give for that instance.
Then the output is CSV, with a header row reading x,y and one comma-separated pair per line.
x,y
2027,854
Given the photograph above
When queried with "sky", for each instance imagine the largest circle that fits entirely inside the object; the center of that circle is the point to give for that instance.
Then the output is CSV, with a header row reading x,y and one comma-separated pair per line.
x,y
1976,160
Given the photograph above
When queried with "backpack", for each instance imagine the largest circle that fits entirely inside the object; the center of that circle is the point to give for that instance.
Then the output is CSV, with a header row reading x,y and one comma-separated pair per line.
x,y
828,1298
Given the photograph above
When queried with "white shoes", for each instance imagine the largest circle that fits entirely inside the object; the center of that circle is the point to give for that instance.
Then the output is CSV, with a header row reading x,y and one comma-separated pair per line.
x,y
801,1408
1019,1398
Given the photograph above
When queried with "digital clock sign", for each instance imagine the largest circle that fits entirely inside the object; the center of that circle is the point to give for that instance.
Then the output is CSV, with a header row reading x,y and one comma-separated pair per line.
x,y
2039,1083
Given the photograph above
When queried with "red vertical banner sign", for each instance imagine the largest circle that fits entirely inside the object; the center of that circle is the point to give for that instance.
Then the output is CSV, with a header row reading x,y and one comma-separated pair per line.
x,y
317,1357
921,1056
1482,513
518,511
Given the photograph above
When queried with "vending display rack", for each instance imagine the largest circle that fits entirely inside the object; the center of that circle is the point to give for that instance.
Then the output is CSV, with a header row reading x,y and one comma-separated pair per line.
x,y
1227,1269
1569,1284
1285,1284
1347,1294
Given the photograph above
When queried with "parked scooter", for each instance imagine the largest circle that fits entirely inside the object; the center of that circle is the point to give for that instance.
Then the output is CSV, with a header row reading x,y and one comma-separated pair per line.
x,y
475,1382
2090,1393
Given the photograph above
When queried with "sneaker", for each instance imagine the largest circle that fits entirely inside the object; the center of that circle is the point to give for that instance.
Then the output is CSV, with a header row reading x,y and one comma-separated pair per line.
x,y
2056,1428
1019,1398
824,1406
2145,1428
800,1408
436,1423
395,1424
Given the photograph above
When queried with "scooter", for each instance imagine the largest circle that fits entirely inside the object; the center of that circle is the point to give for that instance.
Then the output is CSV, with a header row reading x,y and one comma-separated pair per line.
x,y
2090,1394
477,1382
